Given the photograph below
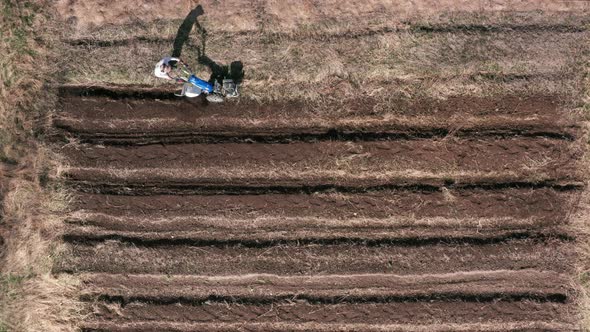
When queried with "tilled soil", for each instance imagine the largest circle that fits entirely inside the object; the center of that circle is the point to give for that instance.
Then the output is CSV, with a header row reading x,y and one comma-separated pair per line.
x,y
324,257
431,312
403,216
286,222
482,286
524,203
484,155
325,164
522,296
93,116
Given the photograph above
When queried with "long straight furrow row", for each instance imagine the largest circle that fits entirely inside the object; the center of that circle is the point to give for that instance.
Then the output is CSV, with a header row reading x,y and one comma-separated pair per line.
x,y
272,230
114,116
481,285
332,164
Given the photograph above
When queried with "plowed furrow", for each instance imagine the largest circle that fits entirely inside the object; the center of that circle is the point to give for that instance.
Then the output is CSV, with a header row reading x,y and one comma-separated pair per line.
x,y
498,326
127,102
475,286
431,312
483,155
540,205
142,121
326,164
318,237
187,230
322,258
207,186
133,132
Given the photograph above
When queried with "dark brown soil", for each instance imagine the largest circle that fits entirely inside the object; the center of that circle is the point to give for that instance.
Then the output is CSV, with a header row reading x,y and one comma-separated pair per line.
x,y
431,216
344,299
123,121
341,164
475,214
539,204
319,258
92,181
373,313
108,103
475,286
483,155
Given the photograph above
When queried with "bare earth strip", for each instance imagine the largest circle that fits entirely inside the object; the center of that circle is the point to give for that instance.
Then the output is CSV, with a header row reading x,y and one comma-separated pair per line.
x,y
380,215
540,204
265,300
419,155
346,164
132,121
306,230
346,257
301,312
211,182
479,285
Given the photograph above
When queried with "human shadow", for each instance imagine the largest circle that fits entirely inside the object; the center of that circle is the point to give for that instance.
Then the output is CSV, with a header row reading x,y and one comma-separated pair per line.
x,y
219,72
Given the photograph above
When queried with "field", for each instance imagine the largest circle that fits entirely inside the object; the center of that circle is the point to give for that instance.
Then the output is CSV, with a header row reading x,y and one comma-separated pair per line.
x,y
389,167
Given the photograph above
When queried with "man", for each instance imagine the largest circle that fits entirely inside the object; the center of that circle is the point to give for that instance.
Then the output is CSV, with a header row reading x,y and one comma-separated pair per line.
x,y
172,68
164,68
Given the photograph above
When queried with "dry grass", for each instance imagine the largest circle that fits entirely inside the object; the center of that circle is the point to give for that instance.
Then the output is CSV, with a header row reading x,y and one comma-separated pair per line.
x,y
279,221
14,48
273,15
579,223
286,175
340,60
580,215
31,298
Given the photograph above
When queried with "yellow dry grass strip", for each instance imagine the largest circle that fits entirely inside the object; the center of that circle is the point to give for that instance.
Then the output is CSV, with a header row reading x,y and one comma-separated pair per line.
x,y
581,213
279,68
273,15
302,175
104,278
31,298
280,221
410,63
